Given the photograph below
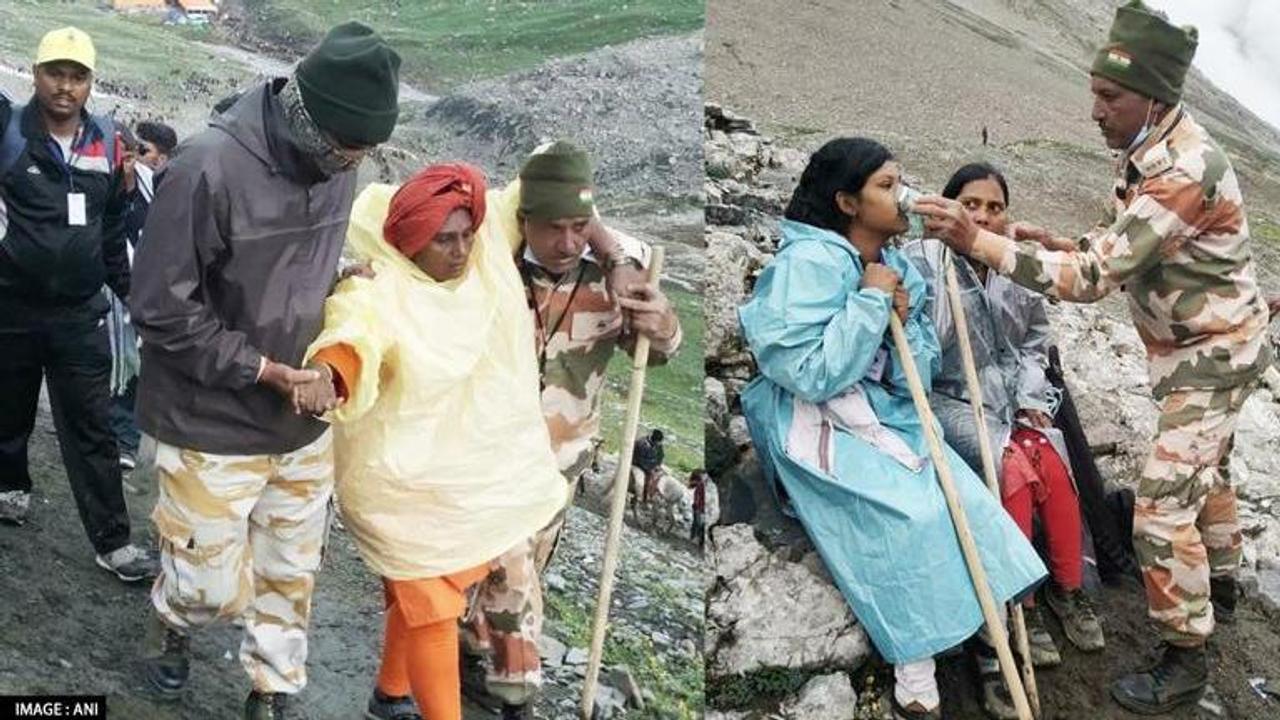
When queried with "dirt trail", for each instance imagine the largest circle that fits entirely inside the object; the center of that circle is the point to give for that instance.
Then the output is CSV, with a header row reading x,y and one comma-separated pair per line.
x,y
67,626
1079,689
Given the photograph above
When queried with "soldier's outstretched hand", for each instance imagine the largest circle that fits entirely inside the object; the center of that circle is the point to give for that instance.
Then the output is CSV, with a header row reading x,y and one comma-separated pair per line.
x,y
1021,231
648,311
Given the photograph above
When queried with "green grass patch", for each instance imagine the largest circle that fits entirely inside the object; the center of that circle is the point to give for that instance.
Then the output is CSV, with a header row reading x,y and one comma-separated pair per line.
x,y
756,689
138,57
444,43
672,394
676,683
1265,231
572,623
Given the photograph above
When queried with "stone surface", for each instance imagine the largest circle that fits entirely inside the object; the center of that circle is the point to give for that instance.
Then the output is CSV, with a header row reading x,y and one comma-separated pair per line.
x,y
621,679
551,650
825,697
767,611
731,260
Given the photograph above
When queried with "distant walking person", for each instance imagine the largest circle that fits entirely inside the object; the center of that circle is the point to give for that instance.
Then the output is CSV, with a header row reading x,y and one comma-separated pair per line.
x,y
698,528
648,456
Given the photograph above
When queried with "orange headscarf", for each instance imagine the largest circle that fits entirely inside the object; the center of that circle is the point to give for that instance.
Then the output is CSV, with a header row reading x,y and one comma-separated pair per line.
x,y
420,206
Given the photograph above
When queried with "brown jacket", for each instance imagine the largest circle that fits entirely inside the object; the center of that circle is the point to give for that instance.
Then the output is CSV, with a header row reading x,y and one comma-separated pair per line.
x,y
240,250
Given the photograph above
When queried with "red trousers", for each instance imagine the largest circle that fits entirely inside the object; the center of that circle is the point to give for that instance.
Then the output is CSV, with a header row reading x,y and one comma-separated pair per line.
x,y
1036,479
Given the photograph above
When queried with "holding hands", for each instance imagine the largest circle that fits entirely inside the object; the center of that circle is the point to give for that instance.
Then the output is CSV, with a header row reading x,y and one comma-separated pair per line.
x,y
310,390
318,396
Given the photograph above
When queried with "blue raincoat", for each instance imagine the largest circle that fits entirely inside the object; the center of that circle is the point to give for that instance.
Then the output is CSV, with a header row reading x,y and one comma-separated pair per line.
x,y
862,483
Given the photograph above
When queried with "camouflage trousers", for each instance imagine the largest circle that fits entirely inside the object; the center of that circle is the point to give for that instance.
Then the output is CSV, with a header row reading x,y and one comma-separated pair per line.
x,y
241,536
1185,527
504,621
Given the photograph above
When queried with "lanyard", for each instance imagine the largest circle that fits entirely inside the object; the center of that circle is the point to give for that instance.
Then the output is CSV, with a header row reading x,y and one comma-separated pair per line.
x,y
55,149
543,336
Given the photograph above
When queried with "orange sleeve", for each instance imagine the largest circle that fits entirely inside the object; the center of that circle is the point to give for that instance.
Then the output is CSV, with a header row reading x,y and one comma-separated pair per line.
x,y
346,367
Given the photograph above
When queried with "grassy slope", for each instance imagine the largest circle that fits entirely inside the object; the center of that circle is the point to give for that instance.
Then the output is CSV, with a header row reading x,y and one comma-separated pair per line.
x,y
677,688
446,43
136,54
672,393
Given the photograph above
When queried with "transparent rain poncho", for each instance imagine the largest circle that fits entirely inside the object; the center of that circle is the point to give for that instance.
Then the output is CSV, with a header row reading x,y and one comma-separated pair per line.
x,y
1009,333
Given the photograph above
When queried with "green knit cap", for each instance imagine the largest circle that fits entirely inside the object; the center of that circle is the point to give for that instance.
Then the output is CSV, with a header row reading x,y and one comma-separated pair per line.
x,y
350,85
1147,54
555,182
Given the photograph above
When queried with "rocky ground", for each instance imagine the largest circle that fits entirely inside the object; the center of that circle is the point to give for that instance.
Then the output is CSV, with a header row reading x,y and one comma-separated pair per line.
x,y
67,626
780,640
925,76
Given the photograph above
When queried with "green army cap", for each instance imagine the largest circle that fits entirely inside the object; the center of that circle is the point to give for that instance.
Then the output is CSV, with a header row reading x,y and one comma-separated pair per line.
x,y
555,182
1147,54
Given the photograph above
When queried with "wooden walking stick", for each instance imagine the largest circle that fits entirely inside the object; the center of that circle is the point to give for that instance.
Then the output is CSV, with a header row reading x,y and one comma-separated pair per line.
x,y
968,548
988,463
622,479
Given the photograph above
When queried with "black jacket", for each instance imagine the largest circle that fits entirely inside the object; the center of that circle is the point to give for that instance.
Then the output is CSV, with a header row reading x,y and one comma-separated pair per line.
x,y
647,455
46,263
240,250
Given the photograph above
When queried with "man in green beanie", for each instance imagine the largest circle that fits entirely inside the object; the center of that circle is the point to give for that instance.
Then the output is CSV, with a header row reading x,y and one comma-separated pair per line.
x,y
243,241
568,261
1178,244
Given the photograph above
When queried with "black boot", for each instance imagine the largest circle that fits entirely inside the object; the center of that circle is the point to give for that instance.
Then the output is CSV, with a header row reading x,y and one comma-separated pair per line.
x,y
164,659
1222,592
1179,678
474,686
386,707
517,712
265,706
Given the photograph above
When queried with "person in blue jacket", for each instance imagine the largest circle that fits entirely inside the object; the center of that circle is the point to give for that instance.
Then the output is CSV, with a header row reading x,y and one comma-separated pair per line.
x,y
832,419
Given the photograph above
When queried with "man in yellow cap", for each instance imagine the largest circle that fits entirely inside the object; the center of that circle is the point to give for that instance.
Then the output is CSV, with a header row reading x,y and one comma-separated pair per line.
x,y
61,238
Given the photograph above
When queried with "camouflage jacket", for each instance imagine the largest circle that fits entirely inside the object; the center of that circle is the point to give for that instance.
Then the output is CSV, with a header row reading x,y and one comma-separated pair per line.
x,y
576,329
1178,244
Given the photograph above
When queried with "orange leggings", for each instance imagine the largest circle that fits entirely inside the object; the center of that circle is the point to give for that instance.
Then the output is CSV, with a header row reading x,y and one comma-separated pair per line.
x,y
420,648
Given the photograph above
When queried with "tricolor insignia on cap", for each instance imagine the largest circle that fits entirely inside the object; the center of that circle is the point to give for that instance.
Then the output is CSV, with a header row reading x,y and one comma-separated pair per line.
x,y
585,195
1119,58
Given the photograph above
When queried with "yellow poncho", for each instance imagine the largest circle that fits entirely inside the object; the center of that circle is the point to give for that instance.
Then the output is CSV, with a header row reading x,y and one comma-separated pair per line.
x,y
443,458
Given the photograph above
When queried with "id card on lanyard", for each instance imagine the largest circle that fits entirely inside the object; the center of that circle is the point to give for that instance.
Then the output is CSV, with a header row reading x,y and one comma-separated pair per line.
x,y
77,211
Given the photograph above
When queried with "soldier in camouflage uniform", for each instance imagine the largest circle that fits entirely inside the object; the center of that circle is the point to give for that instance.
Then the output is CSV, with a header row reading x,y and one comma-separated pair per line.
x,y
1178,244
577,327
244,237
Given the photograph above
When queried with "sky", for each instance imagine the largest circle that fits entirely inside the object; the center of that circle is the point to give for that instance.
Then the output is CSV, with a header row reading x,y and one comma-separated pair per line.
x,y
1239,48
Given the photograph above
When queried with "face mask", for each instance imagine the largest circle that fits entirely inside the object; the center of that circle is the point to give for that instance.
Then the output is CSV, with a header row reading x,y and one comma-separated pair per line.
x,y
331,162
1146,128
915,221
308,136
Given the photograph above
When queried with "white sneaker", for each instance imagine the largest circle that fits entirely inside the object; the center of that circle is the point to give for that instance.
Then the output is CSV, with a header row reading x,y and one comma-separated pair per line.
x,y
127,462
129,563
14,505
